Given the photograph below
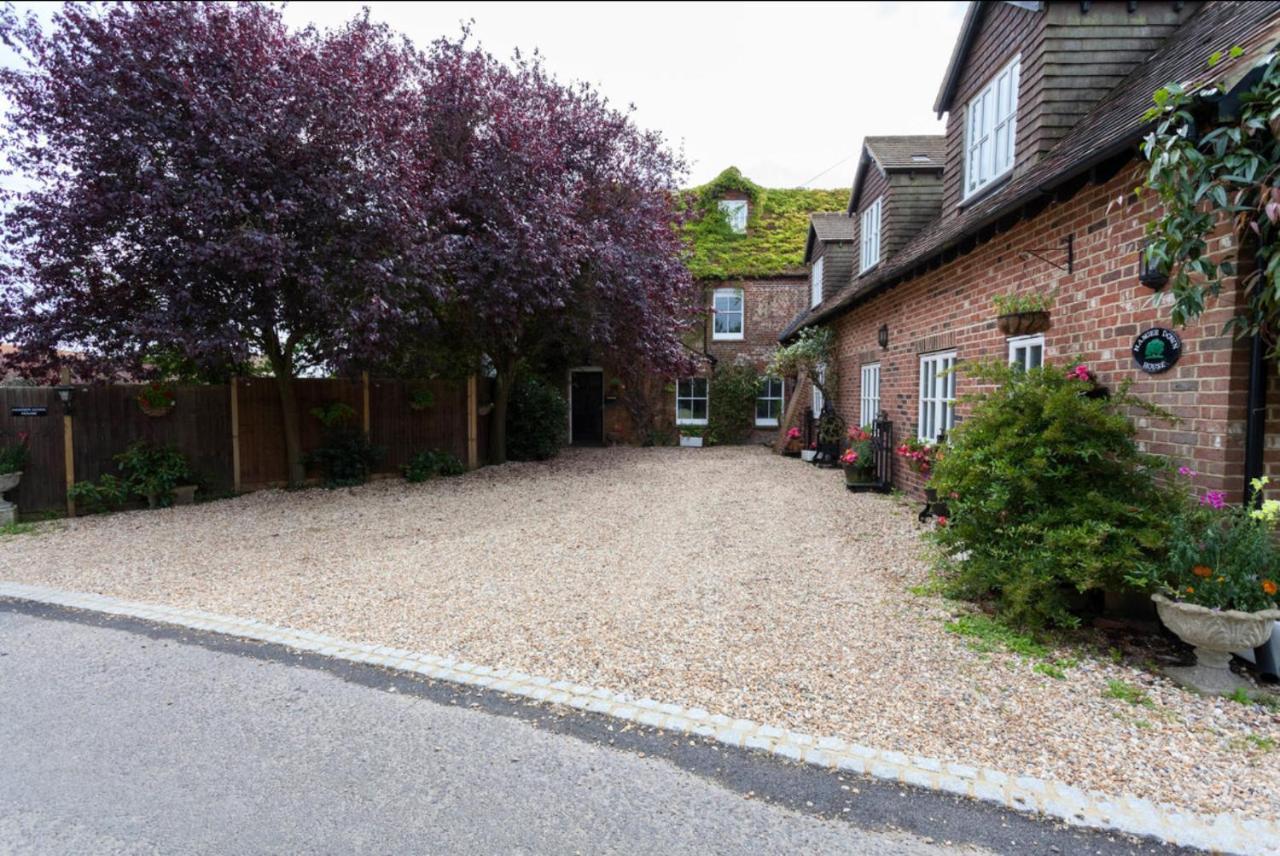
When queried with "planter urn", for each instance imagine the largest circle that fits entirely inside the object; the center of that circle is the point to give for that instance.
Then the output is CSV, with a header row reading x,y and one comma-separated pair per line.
x,y
1214,634
8,511
1023,323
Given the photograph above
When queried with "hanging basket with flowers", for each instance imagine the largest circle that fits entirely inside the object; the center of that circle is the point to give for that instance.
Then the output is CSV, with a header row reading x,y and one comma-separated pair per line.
x,y
920,455
157,399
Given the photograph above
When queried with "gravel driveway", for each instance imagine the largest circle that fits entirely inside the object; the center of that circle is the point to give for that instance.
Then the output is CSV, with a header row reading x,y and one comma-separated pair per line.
x,y
724,578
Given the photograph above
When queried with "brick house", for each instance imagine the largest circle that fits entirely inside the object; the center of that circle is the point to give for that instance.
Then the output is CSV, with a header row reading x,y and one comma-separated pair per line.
x,y
1043,106
751,249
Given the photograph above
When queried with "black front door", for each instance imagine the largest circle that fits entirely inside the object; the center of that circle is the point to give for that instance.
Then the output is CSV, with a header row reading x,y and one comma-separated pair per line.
x,y
588,408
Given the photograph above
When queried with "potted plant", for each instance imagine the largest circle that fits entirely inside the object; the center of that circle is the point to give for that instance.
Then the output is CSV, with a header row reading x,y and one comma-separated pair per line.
x,y
691,435
156,399
1217,586
830,431
13,457
1022,314
792,449
859,460
807,455
919,454
156,473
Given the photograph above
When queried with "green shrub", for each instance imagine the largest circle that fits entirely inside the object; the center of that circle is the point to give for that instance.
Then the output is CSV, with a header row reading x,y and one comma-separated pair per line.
x,y
1049,495
107,494
732,395
346,457
426,465
536,419
153,471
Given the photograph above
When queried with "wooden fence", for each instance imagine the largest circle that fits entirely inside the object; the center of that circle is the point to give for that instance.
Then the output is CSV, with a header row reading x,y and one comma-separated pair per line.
x,y
231,434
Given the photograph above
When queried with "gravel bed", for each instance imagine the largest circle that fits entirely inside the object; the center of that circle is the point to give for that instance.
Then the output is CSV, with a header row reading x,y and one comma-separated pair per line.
x,y
723,578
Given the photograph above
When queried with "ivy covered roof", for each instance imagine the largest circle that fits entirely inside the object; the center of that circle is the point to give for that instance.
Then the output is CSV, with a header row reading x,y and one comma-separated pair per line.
x,y
777,227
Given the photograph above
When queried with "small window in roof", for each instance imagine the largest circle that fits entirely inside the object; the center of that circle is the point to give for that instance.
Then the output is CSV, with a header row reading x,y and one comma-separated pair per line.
x,y
921,158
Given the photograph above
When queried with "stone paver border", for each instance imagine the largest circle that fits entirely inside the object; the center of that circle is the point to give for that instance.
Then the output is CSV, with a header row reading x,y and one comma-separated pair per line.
x,y
1228,832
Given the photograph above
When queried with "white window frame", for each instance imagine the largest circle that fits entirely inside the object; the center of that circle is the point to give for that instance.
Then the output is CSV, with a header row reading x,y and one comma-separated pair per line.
x,y
815,282
818,400
937,411
716,314
735,213
870,236
991,129
1027,345
765,384
869,394
705,398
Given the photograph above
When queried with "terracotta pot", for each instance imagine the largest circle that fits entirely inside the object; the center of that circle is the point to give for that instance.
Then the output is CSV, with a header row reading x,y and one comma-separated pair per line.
x,y
1023,323
1214,634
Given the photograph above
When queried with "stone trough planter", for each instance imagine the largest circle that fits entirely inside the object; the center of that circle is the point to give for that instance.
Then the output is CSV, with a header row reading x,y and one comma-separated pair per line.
x,y
8,511
1214,634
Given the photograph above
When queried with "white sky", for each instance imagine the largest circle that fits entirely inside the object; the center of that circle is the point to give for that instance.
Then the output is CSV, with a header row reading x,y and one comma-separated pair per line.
x,y
783,91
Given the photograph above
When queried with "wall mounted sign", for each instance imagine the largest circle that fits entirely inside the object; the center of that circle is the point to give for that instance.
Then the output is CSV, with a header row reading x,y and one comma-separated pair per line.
x,y
1157,349
29,411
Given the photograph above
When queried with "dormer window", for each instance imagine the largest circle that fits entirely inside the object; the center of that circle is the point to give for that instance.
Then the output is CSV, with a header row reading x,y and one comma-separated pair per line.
x,y
726,324
870,237
735,213
921,159
991,130
815,283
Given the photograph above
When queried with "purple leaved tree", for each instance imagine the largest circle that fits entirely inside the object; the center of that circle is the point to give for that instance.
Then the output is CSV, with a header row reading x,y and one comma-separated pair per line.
x,y
559,222
198,178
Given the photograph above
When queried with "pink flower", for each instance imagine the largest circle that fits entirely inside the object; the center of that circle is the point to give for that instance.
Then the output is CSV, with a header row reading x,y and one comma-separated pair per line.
x,y
1215,499
1080,372
793,433
1187,471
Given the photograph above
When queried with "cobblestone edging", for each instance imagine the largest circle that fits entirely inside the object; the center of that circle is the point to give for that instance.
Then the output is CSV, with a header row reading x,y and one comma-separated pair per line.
x,y
1231,833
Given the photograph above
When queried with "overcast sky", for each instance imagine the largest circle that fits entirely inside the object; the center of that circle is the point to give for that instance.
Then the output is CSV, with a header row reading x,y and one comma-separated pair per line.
x,y
783,91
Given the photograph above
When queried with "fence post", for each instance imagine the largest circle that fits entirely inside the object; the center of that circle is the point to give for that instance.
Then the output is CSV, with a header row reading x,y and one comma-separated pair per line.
x,y
473,425
68,445
235,434
364,390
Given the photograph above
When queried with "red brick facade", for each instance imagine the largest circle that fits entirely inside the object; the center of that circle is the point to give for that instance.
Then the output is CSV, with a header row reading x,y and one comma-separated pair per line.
x,y
1098,310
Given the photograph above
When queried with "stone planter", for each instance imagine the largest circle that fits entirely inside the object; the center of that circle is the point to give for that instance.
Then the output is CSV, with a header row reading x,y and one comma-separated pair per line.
x,y
807,455
8,511
859,478
1023,323
694,442
184,494
1214,634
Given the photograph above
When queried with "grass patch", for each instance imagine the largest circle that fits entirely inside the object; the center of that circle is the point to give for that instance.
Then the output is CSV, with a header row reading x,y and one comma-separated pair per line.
x,y
1253,742
1056,670
986,635
16,529
1127,692
1243,696
932,587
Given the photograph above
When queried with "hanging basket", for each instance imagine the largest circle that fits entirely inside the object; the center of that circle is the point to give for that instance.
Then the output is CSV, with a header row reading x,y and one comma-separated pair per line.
x,y
154,410
1023,323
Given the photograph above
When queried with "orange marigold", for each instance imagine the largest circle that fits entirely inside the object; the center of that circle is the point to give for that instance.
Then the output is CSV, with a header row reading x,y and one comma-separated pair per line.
x,y
1269,587
1190,590
1202,571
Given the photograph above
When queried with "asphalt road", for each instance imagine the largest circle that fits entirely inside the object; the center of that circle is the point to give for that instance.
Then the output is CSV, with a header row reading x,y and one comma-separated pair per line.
x,y
119,736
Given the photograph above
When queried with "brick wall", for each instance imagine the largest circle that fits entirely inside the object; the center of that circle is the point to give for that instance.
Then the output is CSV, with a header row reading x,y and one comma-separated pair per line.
x,y
769,305
1098,311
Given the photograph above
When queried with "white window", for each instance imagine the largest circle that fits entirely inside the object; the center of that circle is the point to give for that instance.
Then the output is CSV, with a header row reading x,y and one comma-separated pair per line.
x,y
769,403
691,401
815,283
726,321
818,400
937,395
735,212
870,394
1027,352
870,237
991,129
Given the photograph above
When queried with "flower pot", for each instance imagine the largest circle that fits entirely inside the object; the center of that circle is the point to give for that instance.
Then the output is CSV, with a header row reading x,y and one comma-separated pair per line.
x,y
859,477
8,511
1214,634
695,442
185,494
1023,323
807,455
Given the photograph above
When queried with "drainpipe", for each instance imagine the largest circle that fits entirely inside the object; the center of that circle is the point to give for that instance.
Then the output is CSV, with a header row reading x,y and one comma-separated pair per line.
x,y
1265,656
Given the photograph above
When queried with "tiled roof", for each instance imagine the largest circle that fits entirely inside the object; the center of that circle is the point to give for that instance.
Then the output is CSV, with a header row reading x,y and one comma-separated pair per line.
x,y
1114,126
920,151
827,226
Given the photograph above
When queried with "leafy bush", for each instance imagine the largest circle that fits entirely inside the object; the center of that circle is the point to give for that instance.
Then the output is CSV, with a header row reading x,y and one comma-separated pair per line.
x,y
153,471
1049,494
347,457
426,465
14,456
536,418
732,392
107,494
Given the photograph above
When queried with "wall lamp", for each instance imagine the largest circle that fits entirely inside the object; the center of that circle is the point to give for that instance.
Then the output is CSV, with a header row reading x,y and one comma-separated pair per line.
x,y
883,336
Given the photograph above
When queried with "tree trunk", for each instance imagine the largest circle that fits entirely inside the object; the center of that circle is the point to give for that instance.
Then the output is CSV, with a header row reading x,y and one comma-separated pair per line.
x,y
282,368
498,418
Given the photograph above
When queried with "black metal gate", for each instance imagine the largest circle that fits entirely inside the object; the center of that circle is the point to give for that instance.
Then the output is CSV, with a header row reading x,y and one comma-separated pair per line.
x,y
882,443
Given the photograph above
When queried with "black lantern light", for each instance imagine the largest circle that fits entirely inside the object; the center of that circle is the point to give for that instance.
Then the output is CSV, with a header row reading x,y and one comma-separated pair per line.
x,y
1150,274
883,336
64,395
